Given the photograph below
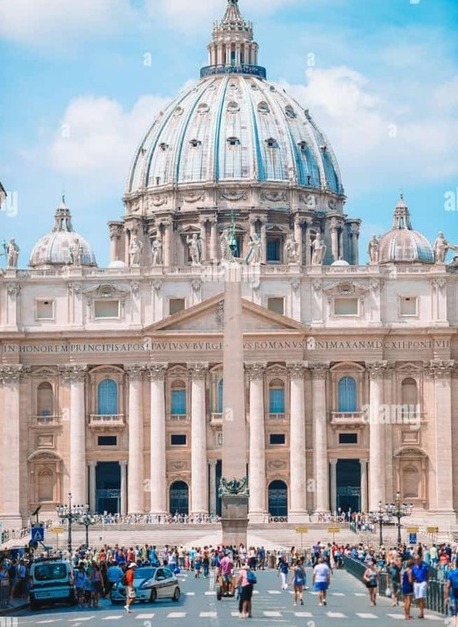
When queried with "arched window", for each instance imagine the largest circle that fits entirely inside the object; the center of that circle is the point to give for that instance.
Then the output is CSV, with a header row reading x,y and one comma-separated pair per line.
x,y
219,408
409,392
277,397
346,395
45,399
278,499
179,498
107,397
178,399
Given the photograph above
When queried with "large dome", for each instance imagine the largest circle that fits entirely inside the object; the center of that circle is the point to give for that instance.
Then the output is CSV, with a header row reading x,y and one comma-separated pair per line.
x,y
234,127
402,244
63,246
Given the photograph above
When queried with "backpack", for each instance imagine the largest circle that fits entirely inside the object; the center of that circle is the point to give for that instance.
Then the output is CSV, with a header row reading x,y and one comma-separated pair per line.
x,y
251,577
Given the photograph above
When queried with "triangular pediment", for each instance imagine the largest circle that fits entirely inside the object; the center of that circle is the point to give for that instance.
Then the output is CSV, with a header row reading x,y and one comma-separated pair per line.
x,y
209,315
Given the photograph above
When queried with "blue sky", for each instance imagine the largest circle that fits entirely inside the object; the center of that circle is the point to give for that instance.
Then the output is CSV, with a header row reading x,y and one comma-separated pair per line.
x,y
83,79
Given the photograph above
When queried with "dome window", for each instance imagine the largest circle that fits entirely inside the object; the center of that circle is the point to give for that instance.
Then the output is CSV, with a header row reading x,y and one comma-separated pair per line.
x,y
195,143
289,112
203,108
233,141
323,148
254,87
163,146
302,145
233,107
271,142
178,111
263,107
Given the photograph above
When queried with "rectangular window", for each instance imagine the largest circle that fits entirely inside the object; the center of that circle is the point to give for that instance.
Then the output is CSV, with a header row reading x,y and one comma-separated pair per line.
x,y
348,438
178,402
178,439
273,250
107,440
44,309
276,304
276,401
408,306
176,305
346,307
277,438
106,309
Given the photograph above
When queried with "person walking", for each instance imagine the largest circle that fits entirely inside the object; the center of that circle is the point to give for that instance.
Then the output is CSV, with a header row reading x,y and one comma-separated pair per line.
x,y
394,572
298,580
420,574
321,580
371,579
451,592
407,588
245,584
130,590
283,570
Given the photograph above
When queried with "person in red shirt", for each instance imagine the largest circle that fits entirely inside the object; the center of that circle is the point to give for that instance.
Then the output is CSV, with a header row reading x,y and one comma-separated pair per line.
x,y
130,590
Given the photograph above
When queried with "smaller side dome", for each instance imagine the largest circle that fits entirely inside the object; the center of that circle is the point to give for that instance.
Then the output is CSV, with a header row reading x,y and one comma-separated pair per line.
x,y
63,246
402,244
340,262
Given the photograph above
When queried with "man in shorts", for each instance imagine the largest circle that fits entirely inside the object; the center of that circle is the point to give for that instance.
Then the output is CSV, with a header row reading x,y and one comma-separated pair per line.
x,y
130,590
420,574
321,580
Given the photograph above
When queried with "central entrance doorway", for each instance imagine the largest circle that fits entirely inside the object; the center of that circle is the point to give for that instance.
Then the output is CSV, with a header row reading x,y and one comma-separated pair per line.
x,y
348,485
108,487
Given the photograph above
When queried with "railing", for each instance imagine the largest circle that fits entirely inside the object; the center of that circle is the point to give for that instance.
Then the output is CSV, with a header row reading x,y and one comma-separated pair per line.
x,y
178,417
46,421
102,421
348,417
436,584
277,416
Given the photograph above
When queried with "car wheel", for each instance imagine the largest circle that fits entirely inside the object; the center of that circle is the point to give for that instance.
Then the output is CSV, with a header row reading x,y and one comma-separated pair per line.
x,y
153,595
176,594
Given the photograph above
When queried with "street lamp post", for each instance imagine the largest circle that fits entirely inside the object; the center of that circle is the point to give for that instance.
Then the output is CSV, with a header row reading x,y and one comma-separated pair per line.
x,y
399,510
378,517
71,513
87,520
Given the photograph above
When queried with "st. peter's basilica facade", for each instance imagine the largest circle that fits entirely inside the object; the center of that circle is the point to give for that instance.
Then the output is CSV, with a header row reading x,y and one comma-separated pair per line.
x,y
111,378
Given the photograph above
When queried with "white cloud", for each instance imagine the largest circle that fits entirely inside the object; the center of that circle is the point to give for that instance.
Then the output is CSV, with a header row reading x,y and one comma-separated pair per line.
x,y
54,23
379,139
97,138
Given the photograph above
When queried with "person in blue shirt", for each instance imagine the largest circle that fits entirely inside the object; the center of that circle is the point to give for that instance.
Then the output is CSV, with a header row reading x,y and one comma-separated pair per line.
x,y
420,574
451,592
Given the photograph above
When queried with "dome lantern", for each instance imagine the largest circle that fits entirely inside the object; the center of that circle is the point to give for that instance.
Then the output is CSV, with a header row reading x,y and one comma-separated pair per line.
x,y
233,49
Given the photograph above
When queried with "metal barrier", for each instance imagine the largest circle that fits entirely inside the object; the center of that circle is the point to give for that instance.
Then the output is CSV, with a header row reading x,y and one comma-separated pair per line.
x,y
434,600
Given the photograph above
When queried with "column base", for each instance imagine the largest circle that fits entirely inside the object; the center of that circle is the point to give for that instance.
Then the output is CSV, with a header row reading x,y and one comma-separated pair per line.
x,y
298,516
258,518
234,520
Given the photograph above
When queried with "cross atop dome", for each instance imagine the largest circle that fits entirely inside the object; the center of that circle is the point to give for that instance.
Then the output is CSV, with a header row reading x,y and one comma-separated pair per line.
x,y
233,49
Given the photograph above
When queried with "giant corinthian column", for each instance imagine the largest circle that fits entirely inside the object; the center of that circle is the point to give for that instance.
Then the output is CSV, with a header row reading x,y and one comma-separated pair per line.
x,y
135,478
297,447
199,463
76,375
377,434
320,427
158,471
257,461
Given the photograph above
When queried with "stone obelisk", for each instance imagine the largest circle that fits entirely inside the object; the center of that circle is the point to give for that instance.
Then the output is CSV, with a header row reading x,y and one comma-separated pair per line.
x,y
234,482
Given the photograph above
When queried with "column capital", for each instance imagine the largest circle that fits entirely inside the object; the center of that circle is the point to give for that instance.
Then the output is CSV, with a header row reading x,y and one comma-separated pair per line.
x,y
134,371
296,370
13,372
198,371
157,371
255,370
212,462
333,461
319,370
123,463
439,368
92,463
379,369
73,372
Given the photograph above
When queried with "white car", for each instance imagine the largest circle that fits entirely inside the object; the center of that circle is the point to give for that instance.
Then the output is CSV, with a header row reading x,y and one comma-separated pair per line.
x,y
150,584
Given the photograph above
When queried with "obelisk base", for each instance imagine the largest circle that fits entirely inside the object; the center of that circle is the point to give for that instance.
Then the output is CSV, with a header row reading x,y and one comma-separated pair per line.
x,y
234,520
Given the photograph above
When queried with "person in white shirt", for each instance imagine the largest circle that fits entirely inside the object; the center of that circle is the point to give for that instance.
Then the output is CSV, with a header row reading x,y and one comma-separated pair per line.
x,y
321,580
